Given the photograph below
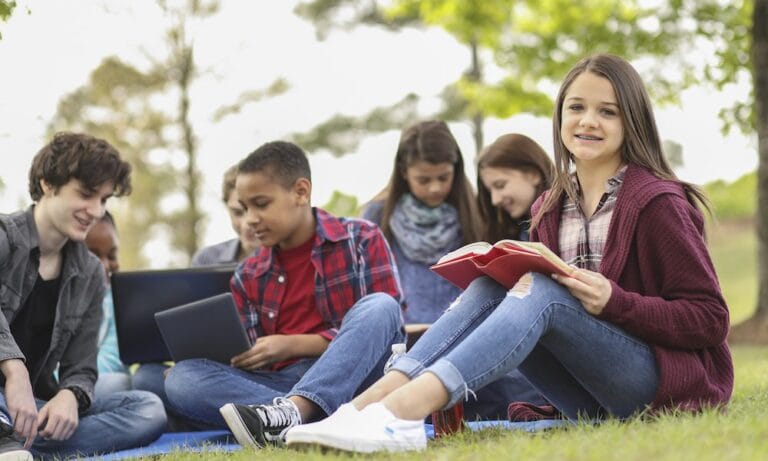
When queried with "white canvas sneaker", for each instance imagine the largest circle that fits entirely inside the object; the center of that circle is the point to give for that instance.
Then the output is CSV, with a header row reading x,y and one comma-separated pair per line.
x,y
372,429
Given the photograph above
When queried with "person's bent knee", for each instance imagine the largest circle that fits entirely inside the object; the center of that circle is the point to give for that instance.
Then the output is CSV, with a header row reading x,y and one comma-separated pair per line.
x,y
182,382
377,307
482,283
150,419
537,287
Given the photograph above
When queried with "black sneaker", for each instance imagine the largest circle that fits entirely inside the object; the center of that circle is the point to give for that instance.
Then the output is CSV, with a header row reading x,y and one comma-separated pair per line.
x,y
11,449
258,425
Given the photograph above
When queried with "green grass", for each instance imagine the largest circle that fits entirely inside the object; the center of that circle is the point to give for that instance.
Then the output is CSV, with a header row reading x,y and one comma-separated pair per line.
x,y
733,245
734,200
739,433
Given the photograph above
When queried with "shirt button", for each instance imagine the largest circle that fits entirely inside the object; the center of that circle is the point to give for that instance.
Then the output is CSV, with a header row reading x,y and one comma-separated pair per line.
x,y
271,315
281,279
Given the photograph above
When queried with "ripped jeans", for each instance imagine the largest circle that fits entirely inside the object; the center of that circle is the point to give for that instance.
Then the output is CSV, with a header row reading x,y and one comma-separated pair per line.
x,y
584,366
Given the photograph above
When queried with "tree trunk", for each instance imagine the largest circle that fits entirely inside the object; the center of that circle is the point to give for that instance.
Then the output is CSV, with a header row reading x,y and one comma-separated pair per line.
x,y
760,78
755,329
190,148
476,75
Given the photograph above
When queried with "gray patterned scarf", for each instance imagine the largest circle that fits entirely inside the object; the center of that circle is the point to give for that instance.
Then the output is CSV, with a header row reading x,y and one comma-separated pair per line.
x,y
424,233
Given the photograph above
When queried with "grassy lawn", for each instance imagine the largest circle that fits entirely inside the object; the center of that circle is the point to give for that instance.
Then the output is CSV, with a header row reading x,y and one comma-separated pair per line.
x,y
733,246
740,433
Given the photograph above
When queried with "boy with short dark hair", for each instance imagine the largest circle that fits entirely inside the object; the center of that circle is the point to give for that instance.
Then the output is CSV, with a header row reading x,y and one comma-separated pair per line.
x,y
320,300
51,290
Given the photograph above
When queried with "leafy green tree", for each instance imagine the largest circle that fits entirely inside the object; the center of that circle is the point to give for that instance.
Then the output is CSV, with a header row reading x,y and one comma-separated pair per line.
x,y
117,104
737,31
740,32
341,204
181,70
760,78
533,42
6,9
128,107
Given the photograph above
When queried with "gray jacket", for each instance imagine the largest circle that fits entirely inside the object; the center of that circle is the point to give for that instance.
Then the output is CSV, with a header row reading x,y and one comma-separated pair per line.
x,y
219,253
78,310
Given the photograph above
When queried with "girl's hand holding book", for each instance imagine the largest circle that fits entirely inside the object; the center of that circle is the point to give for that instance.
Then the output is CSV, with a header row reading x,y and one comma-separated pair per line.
x,y
591,288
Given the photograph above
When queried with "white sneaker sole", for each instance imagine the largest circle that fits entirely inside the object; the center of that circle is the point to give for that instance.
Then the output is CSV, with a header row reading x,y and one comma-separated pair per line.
x,y
16,455
297,439
237,426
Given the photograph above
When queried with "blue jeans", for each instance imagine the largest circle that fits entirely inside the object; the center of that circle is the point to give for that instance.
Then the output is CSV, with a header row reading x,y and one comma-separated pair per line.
x,y
151,377
582,365
115,422
492,400
354,360
111,382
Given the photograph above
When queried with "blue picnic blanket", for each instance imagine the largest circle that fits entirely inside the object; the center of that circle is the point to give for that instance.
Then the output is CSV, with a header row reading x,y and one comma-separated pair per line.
x,y
223,441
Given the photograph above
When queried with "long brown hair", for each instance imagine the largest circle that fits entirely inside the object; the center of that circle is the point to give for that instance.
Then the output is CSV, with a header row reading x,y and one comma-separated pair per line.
x,y
518,152
641,144
431,141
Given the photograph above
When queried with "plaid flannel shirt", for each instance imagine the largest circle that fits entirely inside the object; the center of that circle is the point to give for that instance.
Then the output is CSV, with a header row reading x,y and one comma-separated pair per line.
x,y
351,258
582,239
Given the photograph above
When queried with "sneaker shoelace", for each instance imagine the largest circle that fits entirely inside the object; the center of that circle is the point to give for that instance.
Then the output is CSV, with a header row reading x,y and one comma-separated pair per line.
x,y
281,415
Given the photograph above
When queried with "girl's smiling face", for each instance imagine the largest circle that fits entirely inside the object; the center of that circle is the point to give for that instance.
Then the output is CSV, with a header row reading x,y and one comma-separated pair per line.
x,y
592,128
511,189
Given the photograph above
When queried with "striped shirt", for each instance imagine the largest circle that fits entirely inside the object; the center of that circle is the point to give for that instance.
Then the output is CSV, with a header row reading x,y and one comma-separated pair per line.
x,y
582,239
351,259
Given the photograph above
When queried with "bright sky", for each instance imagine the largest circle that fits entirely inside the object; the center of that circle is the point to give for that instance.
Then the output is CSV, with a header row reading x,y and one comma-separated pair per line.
x,y
51,51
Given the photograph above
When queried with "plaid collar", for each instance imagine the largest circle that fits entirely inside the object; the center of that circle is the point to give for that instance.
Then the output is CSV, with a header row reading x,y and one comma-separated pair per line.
x,y
328,228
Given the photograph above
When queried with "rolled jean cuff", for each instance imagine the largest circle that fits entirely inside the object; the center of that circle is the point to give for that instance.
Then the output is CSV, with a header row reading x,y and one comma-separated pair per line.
x,y
452,380
314,398
407,366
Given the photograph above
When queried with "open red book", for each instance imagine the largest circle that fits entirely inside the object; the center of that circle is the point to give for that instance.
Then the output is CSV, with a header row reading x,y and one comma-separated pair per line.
x,y
505,261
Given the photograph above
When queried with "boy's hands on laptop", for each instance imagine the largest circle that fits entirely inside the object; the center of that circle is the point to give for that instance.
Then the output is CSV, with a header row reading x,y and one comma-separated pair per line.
x,y
266,351
58,419
279,348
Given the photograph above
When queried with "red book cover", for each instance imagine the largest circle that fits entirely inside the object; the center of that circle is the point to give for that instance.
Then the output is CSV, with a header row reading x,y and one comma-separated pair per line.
x,y
506,261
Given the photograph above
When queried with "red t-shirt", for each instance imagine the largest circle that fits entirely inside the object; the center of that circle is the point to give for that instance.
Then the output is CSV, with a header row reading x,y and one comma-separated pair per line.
x,y
298,312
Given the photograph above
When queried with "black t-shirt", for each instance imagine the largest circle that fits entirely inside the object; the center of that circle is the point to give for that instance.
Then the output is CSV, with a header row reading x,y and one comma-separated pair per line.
x,y
33,326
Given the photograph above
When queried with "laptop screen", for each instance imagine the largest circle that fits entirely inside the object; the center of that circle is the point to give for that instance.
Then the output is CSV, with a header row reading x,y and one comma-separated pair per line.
x,y
138,295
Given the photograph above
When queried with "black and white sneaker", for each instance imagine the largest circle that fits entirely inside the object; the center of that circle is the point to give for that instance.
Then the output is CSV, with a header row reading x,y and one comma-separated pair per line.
x,y
259,425
11,448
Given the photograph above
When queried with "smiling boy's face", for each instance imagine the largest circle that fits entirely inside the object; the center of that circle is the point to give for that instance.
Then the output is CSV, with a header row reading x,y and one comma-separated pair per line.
x,y
276,214
72,209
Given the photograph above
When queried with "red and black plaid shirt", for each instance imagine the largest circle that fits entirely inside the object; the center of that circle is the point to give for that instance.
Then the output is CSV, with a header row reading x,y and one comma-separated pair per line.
x,y
351,258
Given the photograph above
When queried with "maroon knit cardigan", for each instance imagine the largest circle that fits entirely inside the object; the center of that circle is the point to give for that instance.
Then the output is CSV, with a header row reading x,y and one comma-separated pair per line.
x,y
665,290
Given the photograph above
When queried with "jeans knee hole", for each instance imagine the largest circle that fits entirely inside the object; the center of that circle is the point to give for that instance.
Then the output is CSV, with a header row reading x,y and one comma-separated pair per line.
x,y
523,287
454,303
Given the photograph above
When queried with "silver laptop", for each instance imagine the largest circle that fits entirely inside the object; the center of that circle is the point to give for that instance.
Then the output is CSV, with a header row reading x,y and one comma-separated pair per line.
x,y
206,329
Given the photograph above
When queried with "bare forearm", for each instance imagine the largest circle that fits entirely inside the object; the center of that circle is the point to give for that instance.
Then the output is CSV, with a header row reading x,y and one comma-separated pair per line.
x,y
308,345
12,368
